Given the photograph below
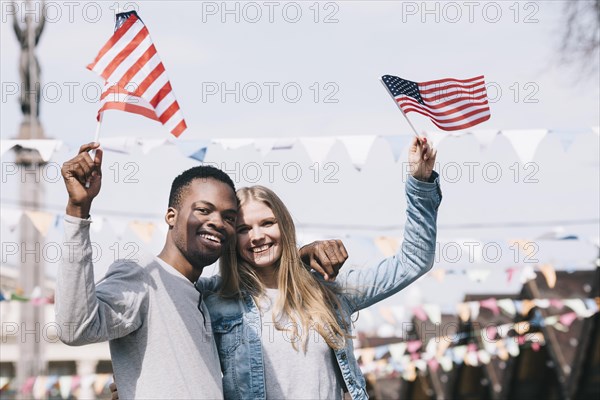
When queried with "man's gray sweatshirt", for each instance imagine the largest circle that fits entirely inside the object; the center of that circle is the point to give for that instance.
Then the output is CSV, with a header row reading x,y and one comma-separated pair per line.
x,y
161,343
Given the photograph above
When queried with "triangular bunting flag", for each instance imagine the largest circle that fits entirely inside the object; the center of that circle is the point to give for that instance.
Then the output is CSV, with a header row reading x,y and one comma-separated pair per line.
x,y
525,142
502,351
387,314
398,312
52,380
512,347
419,313
578,306
41,220
434,313
446,363
11,217
118,225
549,273
490,304
484,357
28,385
39,387
144,230
433,365
87,381
421,365
458,354
368,354
567,319
17,297
97,224
358,147
398,144
381,351
527,274
100,383
508,306
431,348
317,147
438,274
474,308
510,272
410,374
200,154
397,350
413,345
591,305
521,327
556,303
463,311
488,338
386,245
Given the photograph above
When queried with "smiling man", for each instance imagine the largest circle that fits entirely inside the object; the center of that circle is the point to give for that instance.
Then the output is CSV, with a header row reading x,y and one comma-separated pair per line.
x,y
148,308
201,217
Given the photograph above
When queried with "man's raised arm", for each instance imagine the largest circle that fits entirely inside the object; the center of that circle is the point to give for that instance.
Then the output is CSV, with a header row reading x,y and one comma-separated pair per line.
x,y
87,315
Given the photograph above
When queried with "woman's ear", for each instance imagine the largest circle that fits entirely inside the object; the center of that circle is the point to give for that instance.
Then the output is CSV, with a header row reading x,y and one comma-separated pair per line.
x,y
170,217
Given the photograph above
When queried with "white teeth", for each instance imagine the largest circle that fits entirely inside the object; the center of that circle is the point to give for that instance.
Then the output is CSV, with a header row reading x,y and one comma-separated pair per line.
x,y
211,237
260,248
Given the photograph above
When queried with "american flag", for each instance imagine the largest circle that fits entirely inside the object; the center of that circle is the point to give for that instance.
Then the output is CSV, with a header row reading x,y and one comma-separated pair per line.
x,y
135,78
451,104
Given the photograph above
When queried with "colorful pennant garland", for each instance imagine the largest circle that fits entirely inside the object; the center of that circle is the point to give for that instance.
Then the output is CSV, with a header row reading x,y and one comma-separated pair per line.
x,y
40,387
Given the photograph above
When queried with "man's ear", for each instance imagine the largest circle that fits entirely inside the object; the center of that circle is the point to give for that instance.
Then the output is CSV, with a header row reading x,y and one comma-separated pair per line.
x,y
170,217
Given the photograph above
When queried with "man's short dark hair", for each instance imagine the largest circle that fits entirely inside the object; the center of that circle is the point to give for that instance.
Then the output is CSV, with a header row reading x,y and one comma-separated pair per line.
x,y
200,172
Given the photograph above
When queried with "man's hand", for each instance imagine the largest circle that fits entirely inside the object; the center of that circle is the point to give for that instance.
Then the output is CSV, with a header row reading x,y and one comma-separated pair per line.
x,y
113,391
83,178
421,159
326,257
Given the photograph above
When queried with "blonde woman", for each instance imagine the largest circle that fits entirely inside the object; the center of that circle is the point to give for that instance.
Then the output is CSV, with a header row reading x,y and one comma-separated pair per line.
x,y
283,332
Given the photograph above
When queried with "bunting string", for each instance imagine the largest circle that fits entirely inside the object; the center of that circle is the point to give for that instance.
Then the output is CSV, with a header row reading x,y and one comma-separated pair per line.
x,y
524,142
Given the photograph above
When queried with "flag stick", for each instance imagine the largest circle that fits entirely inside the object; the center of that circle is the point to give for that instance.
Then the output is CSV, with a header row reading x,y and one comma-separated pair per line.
x,y
96,138
401,110
97,134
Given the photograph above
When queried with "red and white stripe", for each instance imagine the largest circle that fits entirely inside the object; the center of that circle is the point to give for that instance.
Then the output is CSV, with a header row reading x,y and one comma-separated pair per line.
x,y
451,104
135,77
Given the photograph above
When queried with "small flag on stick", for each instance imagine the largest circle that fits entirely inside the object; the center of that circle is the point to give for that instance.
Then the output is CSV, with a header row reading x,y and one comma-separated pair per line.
x,y
451,104
135,77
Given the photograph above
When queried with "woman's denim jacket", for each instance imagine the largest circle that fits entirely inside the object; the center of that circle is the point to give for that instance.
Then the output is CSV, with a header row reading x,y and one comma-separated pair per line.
x,y
236,323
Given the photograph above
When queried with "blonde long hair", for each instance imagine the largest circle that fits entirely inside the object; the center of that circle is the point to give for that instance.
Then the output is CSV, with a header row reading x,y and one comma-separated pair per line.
x,y
306,301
